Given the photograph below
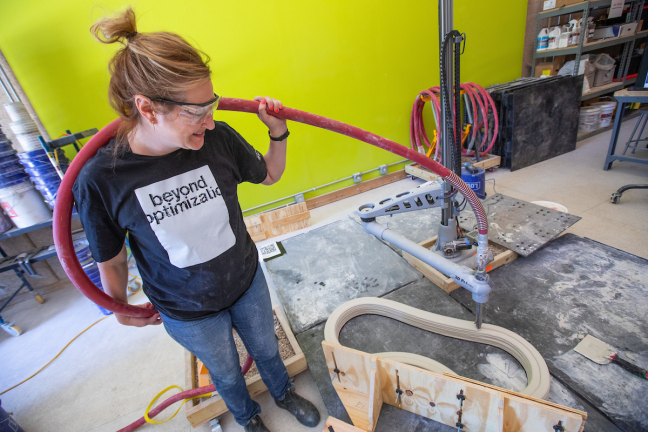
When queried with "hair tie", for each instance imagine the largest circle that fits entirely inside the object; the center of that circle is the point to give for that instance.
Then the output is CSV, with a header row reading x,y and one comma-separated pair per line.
x,y
131,36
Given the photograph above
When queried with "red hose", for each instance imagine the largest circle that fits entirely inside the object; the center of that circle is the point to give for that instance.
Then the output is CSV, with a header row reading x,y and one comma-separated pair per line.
x,y
178,397
479,99
65,200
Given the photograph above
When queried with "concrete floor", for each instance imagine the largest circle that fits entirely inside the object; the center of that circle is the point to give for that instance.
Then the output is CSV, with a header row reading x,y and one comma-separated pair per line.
x,y
107,377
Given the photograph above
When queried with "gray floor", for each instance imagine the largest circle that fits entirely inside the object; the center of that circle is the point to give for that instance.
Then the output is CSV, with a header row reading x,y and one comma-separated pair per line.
x,y
107,377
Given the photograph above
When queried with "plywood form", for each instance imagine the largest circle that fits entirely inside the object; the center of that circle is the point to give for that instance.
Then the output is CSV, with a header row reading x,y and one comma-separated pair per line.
x,y
444,282
434,396
335,425
200,411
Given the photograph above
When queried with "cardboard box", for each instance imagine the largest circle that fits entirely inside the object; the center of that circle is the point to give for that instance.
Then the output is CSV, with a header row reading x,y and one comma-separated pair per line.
x,y
628,29
548,5
607,32
549,68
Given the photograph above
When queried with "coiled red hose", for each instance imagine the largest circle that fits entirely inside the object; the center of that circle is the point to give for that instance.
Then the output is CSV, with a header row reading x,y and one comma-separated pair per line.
x,y
480,102
65,200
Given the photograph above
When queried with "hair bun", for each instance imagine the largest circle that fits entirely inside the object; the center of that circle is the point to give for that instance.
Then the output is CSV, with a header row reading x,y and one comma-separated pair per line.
x,y
120,27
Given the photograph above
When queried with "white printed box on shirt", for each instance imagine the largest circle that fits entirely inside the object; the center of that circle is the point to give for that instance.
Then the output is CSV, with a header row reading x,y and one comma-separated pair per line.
x,y
189,216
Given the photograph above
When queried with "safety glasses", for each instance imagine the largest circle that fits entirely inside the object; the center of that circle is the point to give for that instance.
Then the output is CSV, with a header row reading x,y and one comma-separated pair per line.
x,y
192,113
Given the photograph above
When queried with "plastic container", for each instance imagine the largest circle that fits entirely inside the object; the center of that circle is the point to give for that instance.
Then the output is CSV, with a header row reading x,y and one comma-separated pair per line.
x,y
543,39
476,181
607,112
604,77
554,37
589,119
24,205
551,205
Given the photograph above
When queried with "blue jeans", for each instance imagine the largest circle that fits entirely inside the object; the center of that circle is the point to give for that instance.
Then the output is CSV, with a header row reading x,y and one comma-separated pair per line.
x,y
210,340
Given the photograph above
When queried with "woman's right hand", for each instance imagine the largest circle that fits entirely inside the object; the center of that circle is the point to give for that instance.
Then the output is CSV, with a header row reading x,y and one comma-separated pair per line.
x,y
140,321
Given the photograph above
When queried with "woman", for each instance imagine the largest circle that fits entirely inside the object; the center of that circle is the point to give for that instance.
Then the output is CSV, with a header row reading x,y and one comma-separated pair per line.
x,y
169,180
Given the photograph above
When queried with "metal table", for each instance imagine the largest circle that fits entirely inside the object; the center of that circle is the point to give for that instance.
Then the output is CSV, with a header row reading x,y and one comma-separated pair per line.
x,y
623,97
20,265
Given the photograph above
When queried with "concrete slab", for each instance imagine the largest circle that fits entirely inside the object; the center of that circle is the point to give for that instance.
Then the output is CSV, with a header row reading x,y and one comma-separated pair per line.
x,y
328,266
571,288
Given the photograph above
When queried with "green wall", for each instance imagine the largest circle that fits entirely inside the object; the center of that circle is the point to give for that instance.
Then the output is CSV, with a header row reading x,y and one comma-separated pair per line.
x,y
357,61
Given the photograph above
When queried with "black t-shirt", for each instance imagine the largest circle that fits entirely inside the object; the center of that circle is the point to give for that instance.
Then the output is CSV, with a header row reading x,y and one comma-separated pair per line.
x,y
183,217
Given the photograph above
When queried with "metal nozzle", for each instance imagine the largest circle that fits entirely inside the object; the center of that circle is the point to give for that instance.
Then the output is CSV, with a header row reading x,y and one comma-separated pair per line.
x,y
478,317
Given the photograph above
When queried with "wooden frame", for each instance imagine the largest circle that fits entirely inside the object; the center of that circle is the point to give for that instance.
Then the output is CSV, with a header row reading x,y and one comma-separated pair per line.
x,y
488,161
339,426
277,222
356,189
200,411
365,382
444,282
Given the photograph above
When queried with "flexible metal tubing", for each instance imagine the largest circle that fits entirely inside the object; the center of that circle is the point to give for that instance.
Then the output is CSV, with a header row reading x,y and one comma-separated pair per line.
x,y
62,219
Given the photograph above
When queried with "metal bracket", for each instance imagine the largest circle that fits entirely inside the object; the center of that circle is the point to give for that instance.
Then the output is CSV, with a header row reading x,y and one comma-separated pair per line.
x,y
357,177
426,196
299,198
382,169
23,262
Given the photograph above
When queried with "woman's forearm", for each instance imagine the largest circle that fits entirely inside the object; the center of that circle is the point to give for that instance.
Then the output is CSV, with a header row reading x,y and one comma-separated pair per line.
x,y
114,277
275,160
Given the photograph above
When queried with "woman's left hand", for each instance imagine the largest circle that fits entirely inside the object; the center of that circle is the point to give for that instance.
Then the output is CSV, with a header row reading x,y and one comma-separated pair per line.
x,y
276,126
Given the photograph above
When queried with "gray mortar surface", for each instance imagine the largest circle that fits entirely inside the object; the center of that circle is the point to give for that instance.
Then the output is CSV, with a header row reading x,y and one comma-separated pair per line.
x,y
329,266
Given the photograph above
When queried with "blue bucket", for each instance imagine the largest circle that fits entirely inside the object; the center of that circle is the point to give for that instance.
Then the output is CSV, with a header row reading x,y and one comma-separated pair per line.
x,y
51,180
476,181
40,172
11,170
9,160
34,164
14,179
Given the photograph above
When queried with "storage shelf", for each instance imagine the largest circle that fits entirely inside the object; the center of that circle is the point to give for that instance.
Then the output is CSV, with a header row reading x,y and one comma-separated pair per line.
x,y
597,91
590,46
566,10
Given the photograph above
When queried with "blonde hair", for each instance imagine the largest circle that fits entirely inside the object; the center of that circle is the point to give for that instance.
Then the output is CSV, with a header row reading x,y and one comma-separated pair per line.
x,y
160,65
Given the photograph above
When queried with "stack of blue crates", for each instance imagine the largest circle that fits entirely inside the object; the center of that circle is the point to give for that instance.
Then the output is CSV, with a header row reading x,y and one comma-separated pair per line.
x,y
42,172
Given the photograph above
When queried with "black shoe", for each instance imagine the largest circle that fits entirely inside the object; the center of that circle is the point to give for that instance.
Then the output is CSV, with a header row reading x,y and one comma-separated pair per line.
x,y
255,425
304,411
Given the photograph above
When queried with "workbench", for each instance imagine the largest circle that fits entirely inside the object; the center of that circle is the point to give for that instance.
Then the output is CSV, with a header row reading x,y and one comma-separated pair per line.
x,y
570,287
624,96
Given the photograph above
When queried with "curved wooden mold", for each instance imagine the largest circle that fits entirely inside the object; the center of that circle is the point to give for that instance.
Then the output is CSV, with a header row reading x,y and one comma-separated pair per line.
x,y
422,386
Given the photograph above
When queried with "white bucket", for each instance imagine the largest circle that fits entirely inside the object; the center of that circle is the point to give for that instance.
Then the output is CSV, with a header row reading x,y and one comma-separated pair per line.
x,y
24,205
589,119
17,112
23,127
29,142
607,111
551,205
